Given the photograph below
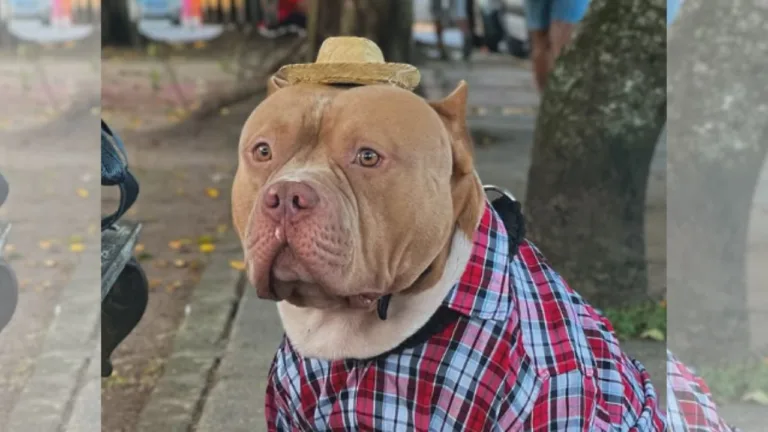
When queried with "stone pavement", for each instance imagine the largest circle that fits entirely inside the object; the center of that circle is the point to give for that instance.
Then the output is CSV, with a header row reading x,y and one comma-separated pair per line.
x,y
49,362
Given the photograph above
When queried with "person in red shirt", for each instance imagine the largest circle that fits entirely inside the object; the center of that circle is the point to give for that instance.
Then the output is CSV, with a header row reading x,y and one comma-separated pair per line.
x,y
283,17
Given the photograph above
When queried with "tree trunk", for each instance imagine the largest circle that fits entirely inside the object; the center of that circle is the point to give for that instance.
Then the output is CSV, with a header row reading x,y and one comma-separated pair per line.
x,y
599,121
717,110
386,22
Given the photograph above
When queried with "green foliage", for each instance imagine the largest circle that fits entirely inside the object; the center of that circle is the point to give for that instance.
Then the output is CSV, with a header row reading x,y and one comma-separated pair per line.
x,y
647,320
740,382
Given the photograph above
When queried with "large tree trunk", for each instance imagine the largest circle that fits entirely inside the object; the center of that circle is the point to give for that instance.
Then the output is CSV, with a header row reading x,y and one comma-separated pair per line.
x,y
598,124
717,132
386,22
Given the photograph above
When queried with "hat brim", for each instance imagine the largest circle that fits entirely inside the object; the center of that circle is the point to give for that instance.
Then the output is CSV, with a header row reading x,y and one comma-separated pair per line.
x,y
399,74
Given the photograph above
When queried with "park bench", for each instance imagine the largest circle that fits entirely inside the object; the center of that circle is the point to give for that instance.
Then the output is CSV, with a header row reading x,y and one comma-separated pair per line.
x,y
124,288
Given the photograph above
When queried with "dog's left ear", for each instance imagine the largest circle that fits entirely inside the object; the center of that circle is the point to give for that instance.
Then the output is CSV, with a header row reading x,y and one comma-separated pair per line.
x,y
275,83
468,195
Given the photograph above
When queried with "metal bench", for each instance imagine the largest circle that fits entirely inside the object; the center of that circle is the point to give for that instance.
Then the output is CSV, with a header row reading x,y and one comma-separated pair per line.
x,y
124,289
9,289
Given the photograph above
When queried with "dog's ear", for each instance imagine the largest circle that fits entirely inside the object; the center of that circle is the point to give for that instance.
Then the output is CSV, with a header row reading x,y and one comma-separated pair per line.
x,y
275,83
453,110
468,195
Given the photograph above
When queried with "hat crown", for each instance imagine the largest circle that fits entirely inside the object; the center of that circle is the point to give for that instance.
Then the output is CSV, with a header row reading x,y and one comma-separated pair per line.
x,y
348,49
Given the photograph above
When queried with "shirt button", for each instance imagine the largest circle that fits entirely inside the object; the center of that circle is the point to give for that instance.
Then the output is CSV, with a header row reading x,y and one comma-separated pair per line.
x,y
590,372
543,373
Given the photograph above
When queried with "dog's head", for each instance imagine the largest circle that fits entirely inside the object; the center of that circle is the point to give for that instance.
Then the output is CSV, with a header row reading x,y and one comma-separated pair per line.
x,y
343,195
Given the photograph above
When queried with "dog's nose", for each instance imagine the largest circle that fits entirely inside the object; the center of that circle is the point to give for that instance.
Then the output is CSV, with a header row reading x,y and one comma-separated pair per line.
x,y
289,199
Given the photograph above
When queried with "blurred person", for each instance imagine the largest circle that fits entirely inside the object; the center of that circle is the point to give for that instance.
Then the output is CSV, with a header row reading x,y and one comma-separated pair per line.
x,y
447,12
281,17
551,24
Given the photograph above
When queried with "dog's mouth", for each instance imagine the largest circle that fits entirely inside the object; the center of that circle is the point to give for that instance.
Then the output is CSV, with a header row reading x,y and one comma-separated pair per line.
x,y
288,279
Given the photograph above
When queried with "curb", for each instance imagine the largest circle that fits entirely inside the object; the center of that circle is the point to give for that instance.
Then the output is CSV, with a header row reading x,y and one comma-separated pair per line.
x,y
198,346
66,360
236,400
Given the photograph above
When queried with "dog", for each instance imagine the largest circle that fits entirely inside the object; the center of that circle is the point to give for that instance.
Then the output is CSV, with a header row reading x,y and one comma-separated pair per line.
x,y
408,300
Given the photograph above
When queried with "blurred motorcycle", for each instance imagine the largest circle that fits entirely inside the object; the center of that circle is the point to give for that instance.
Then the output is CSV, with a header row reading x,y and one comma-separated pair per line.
x,y
8,283
505,27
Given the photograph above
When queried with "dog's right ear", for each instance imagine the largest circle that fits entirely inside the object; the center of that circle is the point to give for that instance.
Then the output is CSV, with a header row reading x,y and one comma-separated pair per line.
x,y
275,83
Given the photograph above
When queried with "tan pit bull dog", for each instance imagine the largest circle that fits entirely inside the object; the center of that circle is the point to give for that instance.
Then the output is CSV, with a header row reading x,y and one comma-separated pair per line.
x,y
351,193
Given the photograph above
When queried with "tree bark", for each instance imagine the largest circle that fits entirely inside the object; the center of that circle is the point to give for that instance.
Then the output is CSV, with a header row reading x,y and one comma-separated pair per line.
x,y
718,108
599,121
386,22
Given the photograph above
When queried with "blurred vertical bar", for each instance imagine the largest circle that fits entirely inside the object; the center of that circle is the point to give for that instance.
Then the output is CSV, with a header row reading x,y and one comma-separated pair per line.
x,y
50,89
717,220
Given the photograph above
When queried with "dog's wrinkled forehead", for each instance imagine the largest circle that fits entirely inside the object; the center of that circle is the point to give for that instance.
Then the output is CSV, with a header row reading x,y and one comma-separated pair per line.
x,y
381,113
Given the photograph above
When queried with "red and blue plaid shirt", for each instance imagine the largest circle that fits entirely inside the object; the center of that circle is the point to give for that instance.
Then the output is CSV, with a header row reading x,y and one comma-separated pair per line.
x,y
524,353
689,402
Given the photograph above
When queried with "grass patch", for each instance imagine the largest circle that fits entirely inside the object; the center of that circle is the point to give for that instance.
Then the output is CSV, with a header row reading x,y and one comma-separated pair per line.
x,y
747,382
643,321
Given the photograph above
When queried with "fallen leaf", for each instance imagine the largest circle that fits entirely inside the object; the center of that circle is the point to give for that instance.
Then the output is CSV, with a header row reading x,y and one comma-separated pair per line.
x,y
152,50
154,283
212,192
237,265
144,256
203,239
50,263
9,248
139,248
179,263
45,245
207,247
508,111
758,396
663,304
199,44
75,239
77,247
161,263
82,193
173,286
175,244
653,333
46,284
224,112
221,229
180,191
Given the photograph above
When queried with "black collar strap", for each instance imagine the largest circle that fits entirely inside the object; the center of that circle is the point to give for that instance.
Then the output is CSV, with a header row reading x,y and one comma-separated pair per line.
x,y
511,213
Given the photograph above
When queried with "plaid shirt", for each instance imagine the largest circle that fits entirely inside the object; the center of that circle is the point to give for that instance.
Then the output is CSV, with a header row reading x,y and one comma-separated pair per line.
x,y
689,402
525,353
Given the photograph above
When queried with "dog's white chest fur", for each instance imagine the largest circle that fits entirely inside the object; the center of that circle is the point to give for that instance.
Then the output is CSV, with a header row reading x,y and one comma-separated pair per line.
x,y
336,334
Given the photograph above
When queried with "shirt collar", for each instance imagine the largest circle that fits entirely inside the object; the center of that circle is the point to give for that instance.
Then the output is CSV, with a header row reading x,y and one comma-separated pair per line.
x,y
484,289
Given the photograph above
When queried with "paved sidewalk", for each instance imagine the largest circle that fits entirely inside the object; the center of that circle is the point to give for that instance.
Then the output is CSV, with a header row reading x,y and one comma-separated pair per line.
x,y
49,362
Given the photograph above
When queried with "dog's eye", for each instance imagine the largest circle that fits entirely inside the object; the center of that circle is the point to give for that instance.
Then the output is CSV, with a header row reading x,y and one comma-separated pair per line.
x,y
262,152
368,158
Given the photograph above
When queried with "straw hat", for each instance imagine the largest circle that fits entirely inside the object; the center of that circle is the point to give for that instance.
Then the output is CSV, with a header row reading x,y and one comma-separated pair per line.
x,y
351,60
